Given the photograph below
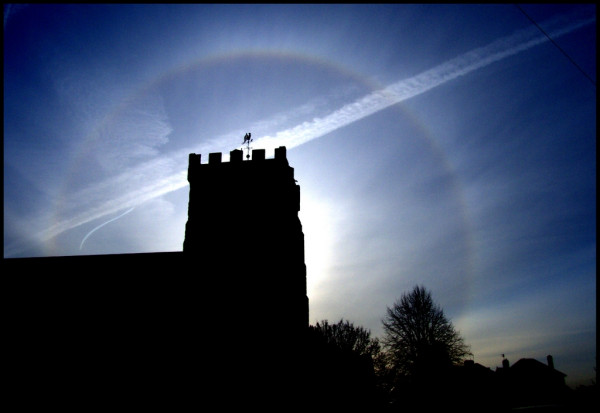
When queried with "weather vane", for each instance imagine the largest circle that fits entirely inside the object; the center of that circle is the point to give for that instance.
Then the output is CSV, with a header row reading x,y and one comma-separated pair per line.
x,y
247,140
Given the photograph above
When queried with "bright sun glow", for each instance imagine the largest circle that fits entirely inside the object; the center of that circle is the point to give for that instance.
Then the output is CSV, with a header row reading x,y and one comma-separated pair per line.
x,y
317,222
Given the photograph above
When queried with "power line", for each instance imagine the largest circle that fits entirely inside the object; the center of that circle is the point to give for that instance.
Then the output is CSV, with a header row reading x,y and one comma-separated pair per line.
x,y
557,46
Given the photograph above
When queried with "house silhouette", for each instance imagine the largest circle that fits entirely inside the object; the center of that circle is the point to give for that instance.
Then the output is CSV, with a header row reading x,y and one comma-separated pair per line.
x,y
474,387
531,382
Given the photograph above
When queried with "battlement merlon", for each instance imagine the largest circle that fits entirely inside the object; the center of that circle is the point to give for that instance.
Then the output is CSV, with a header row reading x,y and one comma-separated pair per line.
x,y
235,157
193,164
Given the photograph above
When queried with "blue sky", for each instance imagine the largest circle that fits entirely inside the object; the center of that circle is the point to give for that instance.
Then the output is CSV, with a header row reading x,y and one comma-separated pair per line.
x,y
451,146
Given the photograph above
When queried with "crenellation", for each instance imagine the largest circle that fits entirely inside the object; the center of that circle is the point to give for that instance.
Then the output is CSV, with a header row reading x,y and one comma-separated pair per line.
x,y
214,158
194,164
236,156
258,155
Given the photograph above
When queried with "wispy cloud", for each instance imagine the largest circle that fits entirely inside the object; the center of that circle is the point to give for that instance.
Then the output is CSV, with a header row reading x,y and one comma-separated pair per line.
x,y
135,133
165,174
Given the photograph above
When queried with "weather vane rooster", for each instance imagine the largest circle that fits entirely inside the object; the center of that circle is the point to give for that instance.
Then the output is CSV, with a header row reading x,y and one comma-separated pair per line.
x,y
247,140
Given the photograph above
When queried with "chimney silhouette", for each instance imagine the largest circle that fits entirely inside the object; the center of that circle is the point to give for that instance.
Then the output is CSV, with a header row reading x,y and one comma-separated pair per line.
x,y
550,361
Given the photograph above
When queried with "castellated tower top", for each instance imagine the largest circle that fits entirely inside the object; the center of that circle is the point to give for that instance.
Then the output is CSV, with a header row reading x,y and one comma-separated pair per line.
x,y
265,186
235,158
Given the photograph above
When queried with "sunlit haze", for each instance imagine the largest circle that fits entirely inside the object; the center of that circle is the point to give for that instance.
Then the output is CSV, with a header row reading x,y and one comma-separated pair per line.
x,y
451,146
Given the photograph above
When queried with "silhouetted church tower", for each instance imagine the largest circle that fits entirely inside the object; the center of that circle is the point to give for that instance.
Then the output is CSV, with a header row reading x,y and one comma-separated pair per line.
x,y
245,239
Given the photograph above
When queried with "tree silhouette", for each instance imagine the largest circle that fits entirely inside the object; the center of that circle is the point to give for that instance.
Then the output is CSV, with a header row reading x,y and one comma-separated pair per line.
x,y
348,338
418,338
342,357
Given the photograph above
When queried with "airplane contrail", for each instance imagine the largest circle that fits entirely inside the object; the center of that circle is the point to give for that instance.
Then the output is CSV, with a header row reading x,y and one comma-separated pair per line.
x,y
164,180
416,85
101,225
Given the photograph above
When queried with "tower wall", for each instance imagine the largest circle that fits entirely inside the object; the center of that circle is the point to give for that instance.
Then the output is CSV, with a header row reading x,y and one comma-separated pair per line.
x,y
245,239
